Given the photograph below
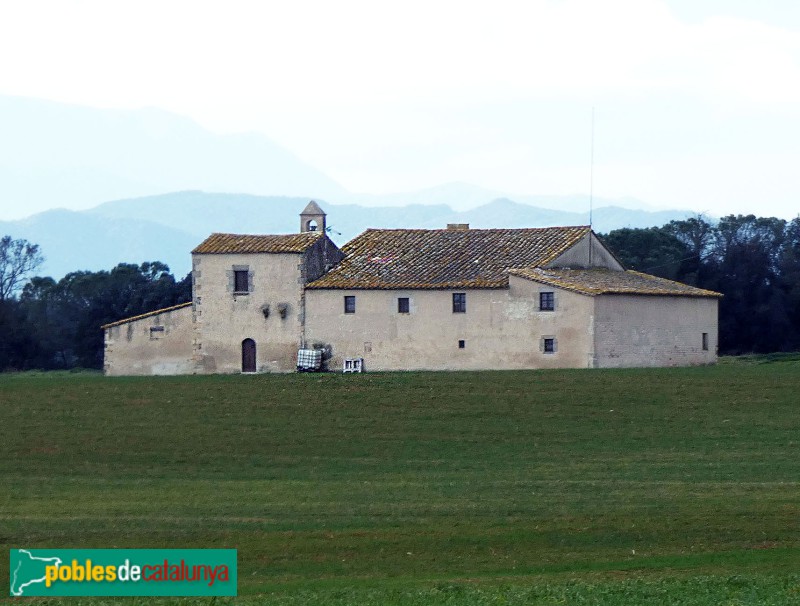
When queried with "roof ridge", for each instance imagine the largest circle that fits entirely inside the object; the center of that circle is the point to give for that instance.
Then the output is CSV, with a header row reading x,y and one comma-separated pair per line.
x,y
226,243
149,313
225,233
472,229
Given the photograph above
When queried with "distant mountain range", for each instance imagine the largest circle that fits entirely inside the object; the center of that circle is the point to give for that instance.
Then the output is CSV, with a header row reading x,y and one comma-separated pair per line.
x,y
55,155
166,227
464,196
69,156
61,155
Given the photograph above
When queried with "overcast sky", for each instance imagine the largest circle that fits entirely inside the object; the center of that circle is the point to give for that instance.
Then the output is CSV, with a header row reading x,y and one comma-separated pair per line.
x,y
697,102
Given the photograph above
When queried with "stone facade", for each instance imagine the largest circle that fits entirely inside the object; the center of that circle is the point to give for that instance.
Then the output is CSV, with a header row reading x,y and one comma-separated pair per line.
x,y
455,299
271,311
152,344
501,328
224,318
655,331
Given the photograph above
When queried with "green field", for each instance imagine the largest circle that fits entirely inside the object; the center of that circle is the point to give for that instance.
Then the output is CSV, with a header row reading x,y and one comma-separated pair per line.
x,y
658,486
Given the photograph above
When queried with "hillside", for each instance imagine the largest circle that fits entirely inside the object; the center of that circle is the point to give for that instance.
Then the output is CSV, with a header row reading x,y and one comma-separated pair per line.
x,y
167,227
74,241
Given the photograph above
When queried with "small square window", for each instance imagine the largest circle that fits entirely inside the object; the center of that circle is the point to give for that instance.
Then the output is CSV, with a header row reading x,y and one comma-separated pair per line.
x,y
705,341
547,301
459,302
402,305
462,343
549,345
349,304
240,281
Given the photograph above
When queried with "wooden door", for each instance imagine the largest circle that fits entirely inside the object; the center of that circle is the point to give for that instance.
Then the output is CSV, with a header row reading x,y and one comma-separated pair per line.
x,y
248,355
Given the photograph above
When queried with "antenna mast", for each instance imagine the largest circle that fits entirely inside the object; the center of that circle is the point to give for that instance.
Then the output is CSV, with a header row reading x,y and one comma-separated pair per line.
x,y
591,189
591,174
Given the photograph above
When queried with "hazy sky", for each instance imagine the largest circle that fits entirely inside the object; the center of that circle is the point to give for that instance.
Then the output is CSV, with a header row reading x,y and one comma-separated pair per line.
x,y
697,101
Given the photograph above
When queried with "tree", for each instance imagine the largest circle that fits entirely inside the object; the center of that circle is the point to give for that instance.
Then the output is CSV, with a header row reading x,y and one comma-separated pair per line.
x,y
746,258
789,268
697,235
65,316
18,259
653,250
17,345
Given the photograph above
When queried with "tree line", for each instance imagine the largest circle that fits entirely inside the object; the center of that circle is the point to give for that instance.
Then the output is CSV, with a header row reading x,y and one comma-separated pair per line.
x,y
753,261
49,324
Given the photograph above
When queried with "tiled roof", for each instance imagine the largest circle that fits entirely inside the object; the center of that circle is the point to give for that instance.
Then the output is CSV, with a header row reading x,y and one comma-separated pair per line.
x,y
441,258
599,281
238,243
147,315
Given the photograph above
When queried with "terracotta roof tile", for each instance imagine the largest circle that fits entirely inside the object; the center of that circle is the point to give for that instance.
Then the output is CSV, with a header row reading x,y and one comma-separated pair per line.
x,y
147,315
599,281
239,243
441,258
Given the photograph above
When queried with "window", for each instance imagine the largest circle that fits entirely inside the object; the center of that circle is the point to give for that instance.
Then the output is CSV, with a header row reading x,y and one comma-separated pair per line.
x,y
240,281
547,301
462,343
549,345
459,302
705,341
156,332
402,305
350,304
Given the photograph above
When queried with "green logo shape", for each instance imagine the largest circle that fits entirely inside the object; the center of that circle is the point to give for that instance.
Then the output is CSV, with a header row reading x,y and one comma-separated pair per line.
x,y
122,572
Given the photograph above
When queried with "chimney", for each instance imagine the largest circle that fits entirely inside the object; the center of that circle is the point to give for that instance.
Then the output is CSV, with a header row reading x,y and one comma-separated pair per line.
x,y
458,226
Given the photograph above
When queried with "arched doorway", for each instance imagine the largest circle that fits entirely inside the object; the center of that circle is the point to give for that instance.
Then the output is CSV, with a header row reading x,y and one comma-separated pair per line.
x,y
248,355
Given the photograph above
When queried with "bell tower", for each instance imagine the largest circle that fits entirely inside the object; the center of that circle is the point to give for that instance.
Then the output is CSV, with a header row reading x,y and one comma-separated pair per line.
x,y
312,218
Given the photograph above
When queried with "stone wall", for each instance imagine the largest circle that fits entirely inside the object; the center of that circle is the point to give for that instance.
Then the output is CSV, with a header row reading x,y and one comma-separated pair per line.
x,y
155,344
501,328
269,313
655,330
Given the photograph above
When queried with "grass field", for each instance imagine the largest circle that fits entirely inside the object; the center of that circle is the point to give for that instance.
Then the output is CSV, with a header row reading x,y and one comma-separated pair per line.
x,y
658,486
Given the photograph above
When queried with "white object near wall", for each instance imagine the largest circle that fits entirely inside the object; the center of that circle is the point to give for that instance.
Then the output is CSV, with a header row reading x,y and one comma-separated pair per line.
x,y
353,365
309,360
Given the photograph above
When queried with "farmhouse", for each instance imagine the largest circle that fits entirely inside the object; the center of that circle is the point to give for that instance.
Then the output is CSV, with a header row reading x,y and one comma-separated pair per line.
x,y
404,299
